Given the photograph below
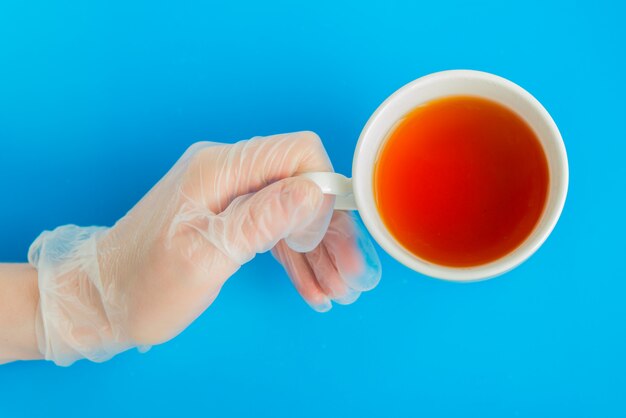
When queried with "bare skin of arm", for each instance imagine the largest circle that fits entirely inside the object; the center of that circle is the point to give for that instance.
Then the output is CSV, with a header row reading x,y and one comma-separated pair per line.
x,y
19,298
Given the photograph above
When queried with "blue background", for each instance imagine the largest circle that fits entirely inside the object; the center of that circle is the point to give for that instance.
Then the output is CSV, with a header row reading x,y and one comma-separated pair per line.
x,y
97,101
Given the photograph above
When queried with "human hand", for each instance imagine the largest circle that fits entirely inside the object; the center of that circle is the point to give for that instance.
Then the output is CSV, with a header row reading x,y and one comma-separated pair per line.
x,y
148,277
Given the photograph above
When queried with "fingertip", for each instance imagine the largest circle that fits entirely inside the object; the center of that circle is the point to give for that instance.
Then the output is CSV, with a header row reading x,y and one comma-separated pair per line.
x,y
300,273
367,280
302,193
348,298
323,306
314,296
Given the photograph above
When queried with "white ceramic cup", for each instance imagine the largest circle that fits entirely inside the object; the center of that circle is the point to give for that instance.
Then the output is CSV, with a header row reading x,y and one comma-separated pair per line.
x,y
358,193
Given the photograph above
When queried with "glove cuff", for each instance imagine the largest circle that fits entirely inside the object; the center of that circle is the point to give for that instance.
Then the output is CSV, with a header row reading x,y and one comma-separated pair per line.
x,y
73,321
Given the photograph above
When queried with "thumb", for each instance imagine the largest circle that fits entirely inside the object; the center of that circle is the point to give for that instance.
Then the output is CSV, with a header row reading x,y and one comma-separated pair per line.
x,y
254,223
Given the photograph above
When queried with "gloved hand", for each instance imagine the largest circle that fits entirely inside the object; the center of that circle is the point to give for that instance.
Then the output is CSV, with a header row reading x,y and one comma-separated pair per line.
x,y
141,282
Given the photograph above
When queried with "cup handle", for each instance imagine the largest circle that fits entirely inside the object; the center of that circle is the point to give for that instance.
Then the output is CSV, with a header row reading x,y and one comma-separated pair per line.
x,y
335,184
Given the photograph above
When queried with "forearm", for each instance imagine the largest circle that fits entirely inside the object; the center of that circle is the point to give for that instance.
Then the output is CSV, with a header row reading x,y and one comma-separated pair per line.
x,y
19,298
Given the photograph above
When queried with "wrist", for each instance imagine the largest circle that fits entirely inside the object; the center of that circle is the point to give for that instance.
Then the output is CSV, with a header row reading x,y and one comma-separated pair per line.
x,y
19,299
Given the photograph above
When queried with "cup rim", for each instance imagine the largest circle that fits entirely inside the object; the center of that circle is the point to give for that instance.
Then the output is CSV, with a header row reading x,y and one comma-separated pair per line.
x,y
363,187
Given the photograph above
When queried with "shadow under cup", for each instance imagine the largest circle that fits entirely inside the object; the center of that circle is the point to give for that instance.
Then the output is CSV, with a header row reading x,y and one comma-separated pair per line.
x,y
359,192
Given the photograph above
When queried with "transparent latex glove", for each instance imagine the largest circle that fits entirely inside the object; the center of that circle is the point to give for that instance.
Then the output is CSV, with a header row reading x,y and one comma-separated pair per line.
x,y
141,282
